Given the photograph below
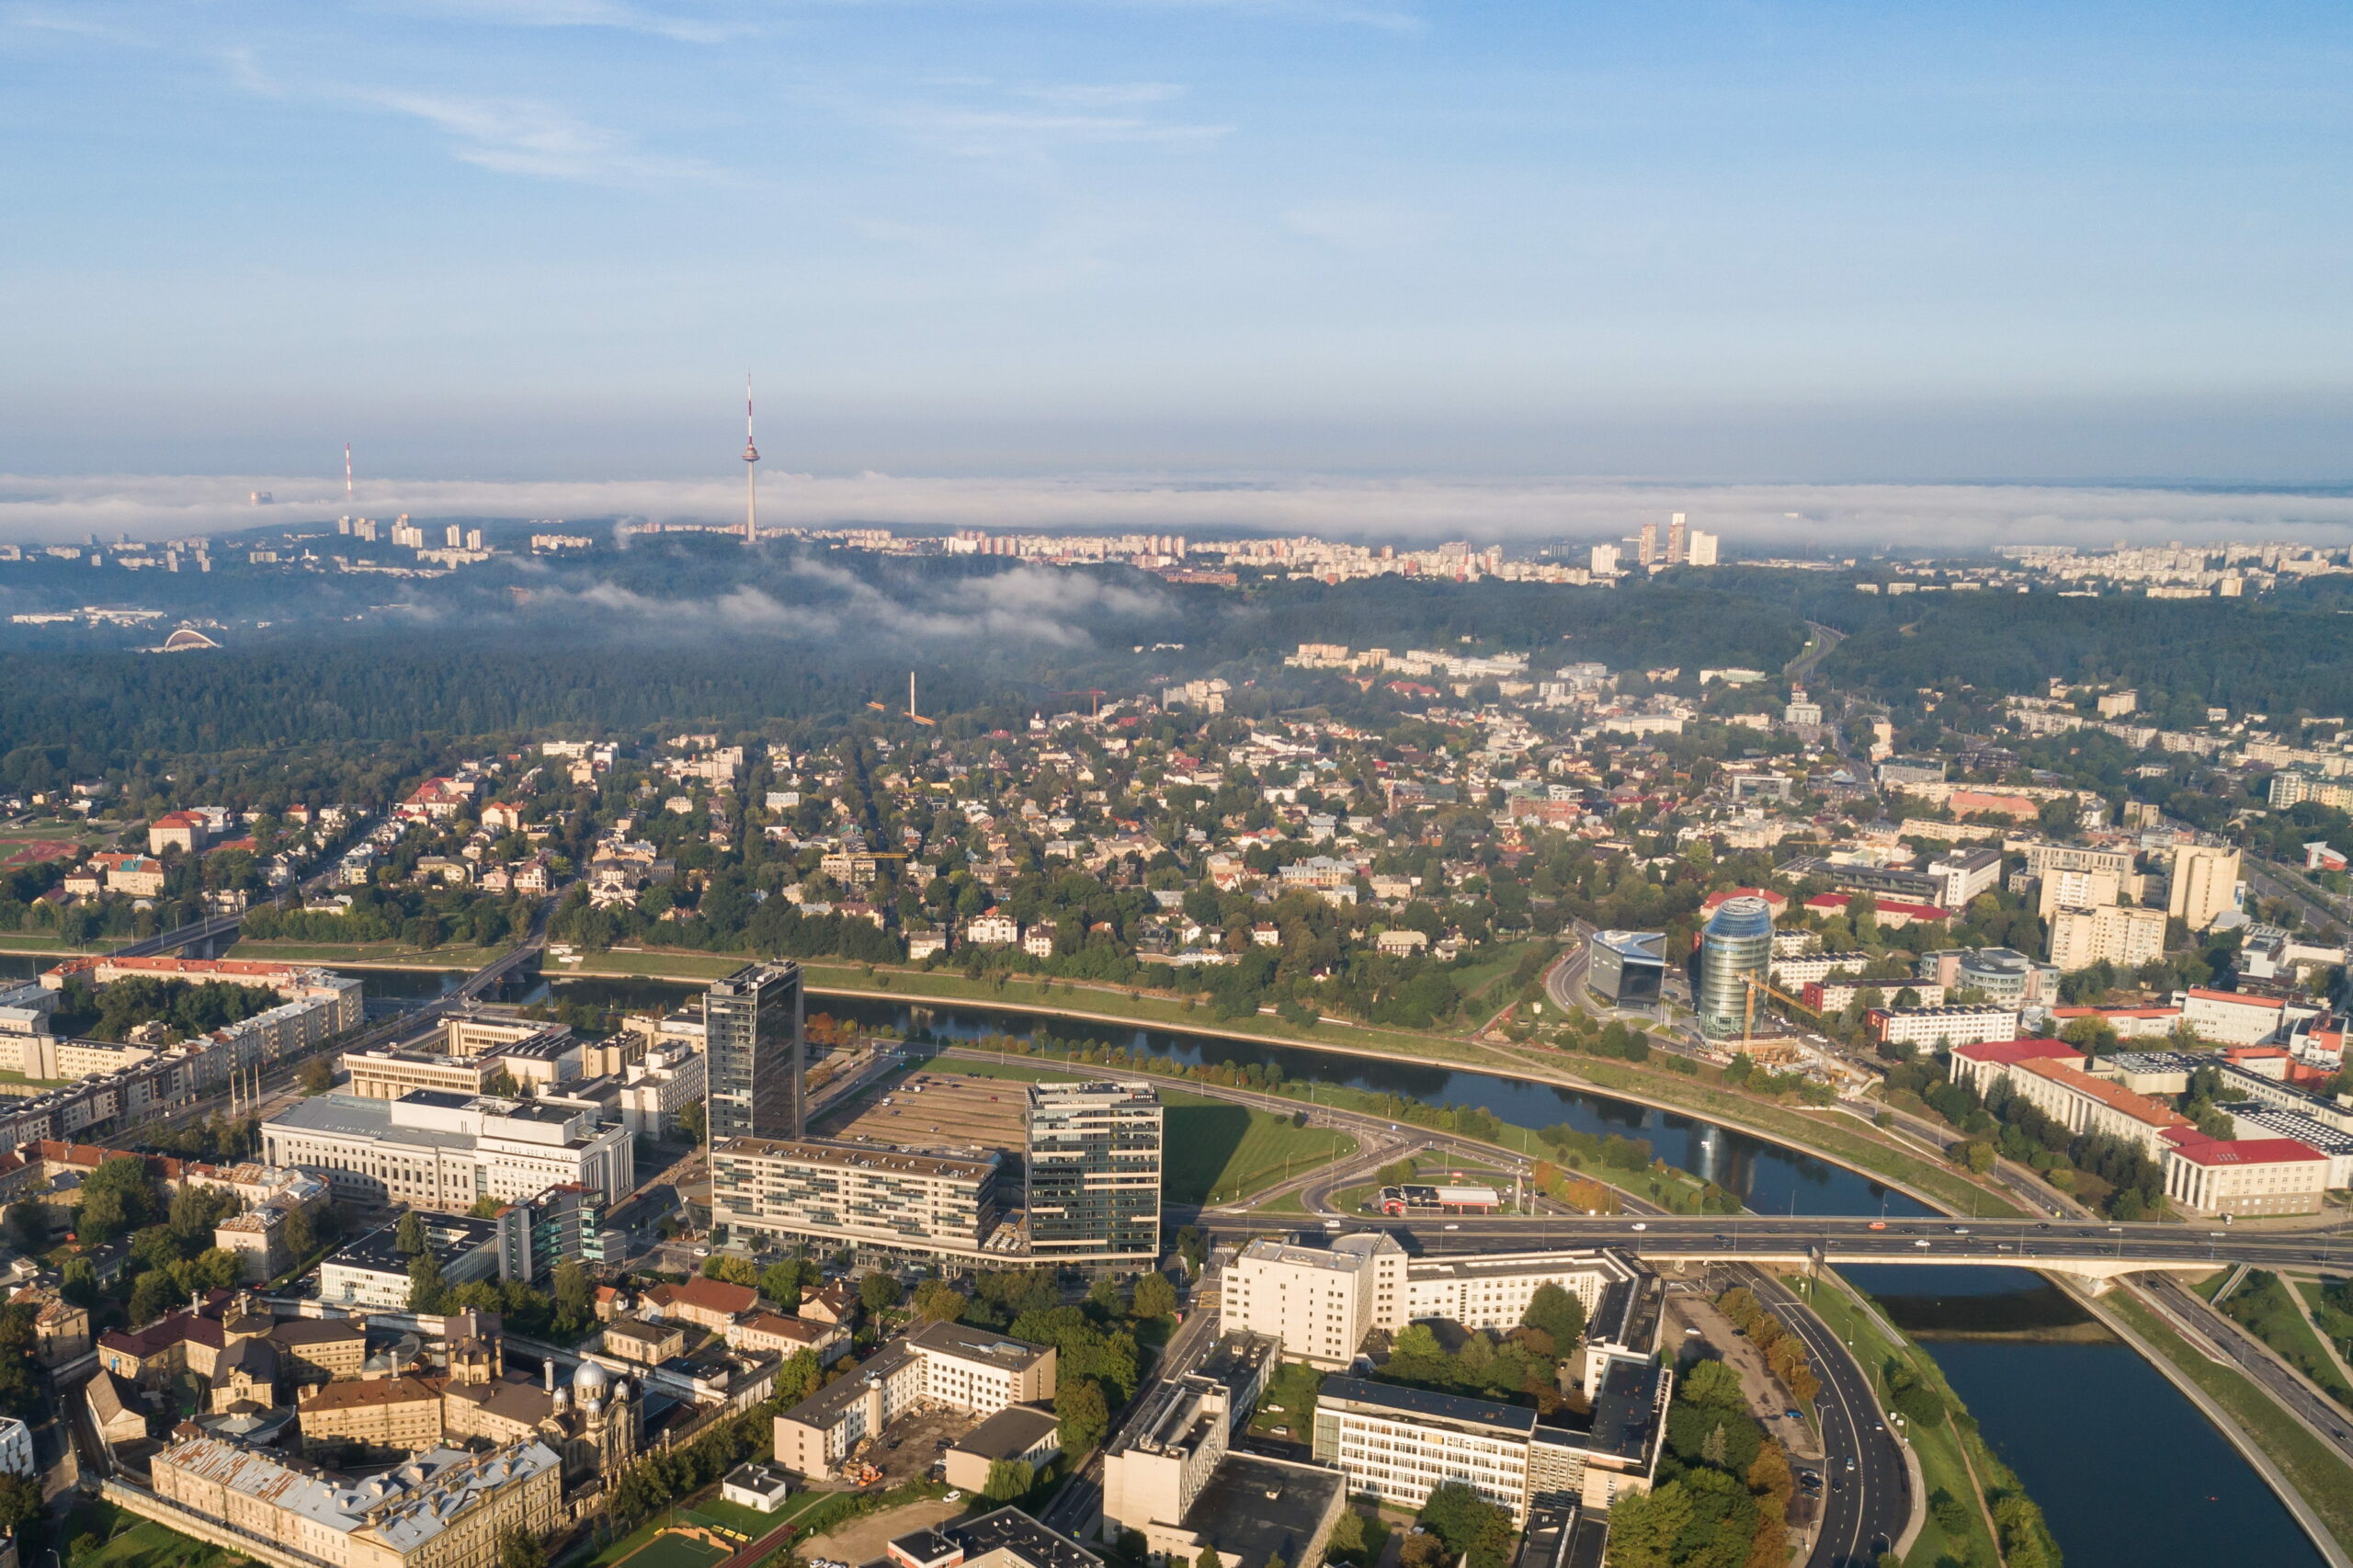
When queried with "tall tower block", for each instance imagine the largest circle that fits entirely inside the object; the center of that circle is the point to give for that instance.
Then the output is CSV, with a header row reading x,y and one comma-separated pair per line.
x,y
751,456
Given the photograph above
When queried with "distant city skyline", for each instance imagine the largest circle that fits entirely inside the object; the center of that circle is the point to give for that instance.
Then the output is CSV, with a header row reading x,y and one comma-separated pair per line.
x,y
541,239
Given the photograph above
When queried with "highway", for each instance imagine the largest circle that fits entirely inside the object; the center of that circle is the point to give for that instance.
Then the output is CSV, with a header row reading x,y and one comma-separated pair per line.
x,y
1074,1507
1867,1505
2007,1244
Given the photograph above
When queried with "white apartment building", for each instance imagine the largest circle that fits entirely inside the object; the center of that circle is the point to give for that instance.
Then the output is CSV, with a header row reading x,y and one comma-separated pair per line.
x,y
432,1149
2125,936
1320,1304
2204,884
1929,1026
1965,873
16,1447
657,1088
2077,889
1399,1445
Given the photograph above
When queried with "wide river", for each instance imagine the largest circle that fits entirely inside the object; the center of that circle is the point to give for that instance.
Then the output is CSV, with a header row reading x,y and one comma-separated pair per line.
x,y
2126,1470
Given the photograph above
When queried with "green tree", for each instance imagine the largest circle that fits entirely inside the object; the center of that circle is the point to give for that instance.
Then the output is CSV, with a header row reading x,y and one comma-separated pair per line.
x,y
1208,1558
427,1293
118,1196
576,1293
937,1301
1155,1297
731,1270
784,1283
1084,1417
299,1235
520,1549
878,1291
1478,1532
409,1235
692,1121
1645,1528
1559,1313
1009,1479
314,1076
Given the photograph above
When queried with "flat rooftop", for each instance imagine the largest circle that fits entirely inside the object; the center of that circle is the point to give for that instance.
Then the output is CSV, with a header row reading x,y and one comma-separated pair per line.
x,y
1458,1410
1262,1508
941,1112
858,1157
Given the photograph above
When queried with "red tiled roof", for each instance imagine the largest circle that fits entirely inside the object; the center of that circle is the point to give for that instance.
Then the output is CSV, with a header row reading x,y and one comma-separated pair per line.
x,y
2248,1152
708,1295
2240,997
2014,1050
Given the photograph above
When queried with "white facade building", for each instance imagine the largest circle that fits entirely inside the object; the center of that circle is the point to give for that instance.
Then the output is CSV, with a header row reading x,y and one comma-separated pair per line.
x,y
431,1150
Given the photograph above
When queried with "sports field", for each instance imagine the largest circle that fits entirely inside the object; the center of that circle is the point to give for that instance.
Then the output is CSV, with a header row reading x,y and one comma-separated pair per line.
x,y
669,1550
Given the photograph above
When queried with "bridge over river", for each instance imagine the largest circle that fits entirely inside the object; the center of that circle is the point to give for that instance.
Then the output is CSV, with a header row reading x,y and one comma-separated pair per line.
x,y
2093,1250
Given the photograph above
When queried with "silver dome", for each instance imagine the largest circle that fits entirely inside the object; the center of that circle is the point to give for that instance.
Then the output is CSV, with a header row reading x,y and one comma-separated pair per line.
x,y
591,1380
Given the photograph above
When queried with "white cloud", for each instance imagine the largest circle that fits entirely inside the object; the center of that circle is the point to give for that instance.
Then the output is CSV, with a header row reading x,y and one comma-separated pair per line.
x,y
1940,516
518,136
659,22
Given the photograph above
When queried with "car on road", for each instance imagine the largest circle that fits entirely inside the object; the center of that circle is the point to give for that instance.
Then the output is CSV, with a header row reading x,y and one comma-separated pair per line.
x,y
1791,1414
1640,1225
1877,1225
1850,1461
1454,1227
1810,1480
1921,1242
1958,1230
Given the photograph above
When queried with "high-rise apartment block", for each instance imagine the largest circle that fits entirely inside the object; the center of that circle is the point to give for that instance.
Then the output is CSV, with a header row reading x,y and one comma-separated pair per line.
x,y
1094,1165
2204,884
753,1050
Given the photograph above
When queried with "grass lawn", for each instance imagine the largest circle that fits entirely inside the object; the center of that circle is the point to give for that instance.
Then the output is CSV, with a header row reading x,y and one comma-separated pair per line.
x,y
26,942
648,966
2335,1324
2317,1474
466,959
1216,1151
1943,1464
2268,1310
1221,1152
2212,1283
1288,1203
676,1551
750,1523
133,1542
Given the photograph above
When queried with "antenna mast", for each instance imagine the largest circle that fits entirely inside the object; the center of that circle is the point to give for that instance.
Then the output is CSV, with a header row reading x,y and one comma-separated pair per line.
x,y
751,456
346,470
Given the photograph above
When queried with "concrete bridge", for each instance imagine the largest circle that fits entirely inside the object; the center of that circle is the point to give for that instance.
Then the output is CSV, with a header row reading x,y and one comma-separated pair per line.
x,y
2093,1250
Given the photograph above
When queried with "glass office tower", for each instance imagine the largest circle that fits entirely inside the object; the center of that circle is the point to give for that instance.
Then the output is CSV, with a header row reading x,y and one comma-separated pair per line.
x,y
753,1041
1092,1166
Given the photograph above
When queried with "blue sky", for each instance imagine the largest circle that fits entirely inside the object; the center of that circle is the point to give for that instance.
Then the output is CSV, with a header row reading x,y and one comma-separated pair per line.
x,y
533,239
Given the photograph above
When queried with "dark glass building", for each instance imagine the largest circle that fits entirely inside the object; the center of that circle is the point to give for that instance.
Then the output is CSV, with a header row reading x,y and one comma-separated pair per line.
x,y
753,1046
1093,1162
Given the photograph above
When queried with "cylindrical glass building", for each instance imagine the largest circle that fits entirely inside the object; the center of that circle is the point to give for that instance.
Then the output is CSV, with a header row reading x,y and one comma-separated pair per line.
x,y
1737,941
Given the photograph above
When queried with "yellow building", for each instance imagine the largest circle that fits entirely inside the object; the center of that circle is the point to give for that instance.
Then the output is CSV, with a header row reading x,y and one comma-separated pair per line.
x,y
381,1413
445,1508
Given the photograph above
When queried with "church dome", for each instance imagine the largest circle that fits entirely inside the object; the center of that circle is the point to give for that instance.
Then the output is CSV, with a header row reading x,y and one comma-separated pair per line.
x,y
591,1380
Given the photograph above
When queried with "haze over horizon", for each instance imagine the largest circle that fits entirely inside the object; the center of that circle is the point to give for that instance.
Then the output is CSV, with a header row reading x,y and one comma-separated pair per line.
x,y
540,240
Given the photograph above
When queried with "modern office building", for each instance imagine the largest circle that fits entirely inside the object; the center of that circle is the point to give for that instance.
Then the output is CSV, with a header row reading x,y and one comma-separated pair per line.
x,y
1735,947
431,1150
753,1053
893,1201
1092,1164
1626,969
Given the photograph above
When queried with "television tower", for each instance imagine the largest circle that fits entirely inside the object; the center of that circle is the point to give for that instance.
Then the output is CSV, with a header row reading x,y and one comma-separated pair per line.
x,y
346,470
751,456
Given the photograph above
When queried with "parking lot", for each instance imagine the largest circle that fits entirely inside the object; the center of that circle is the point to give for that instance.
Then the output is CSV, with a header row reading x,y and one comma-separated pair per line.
x,y
910,1446
939,1111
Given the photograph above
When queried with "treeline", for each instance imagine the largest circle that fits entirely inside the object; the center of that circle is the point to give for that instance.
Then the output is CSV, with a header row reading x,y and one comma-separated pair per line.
x,y
1723,1488
89,1012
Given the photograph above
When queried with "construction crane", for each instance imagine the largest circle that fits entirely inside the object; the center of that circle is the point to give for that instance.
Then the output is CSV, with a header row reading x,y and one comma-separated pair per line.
x,y
1751,985
1097,693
